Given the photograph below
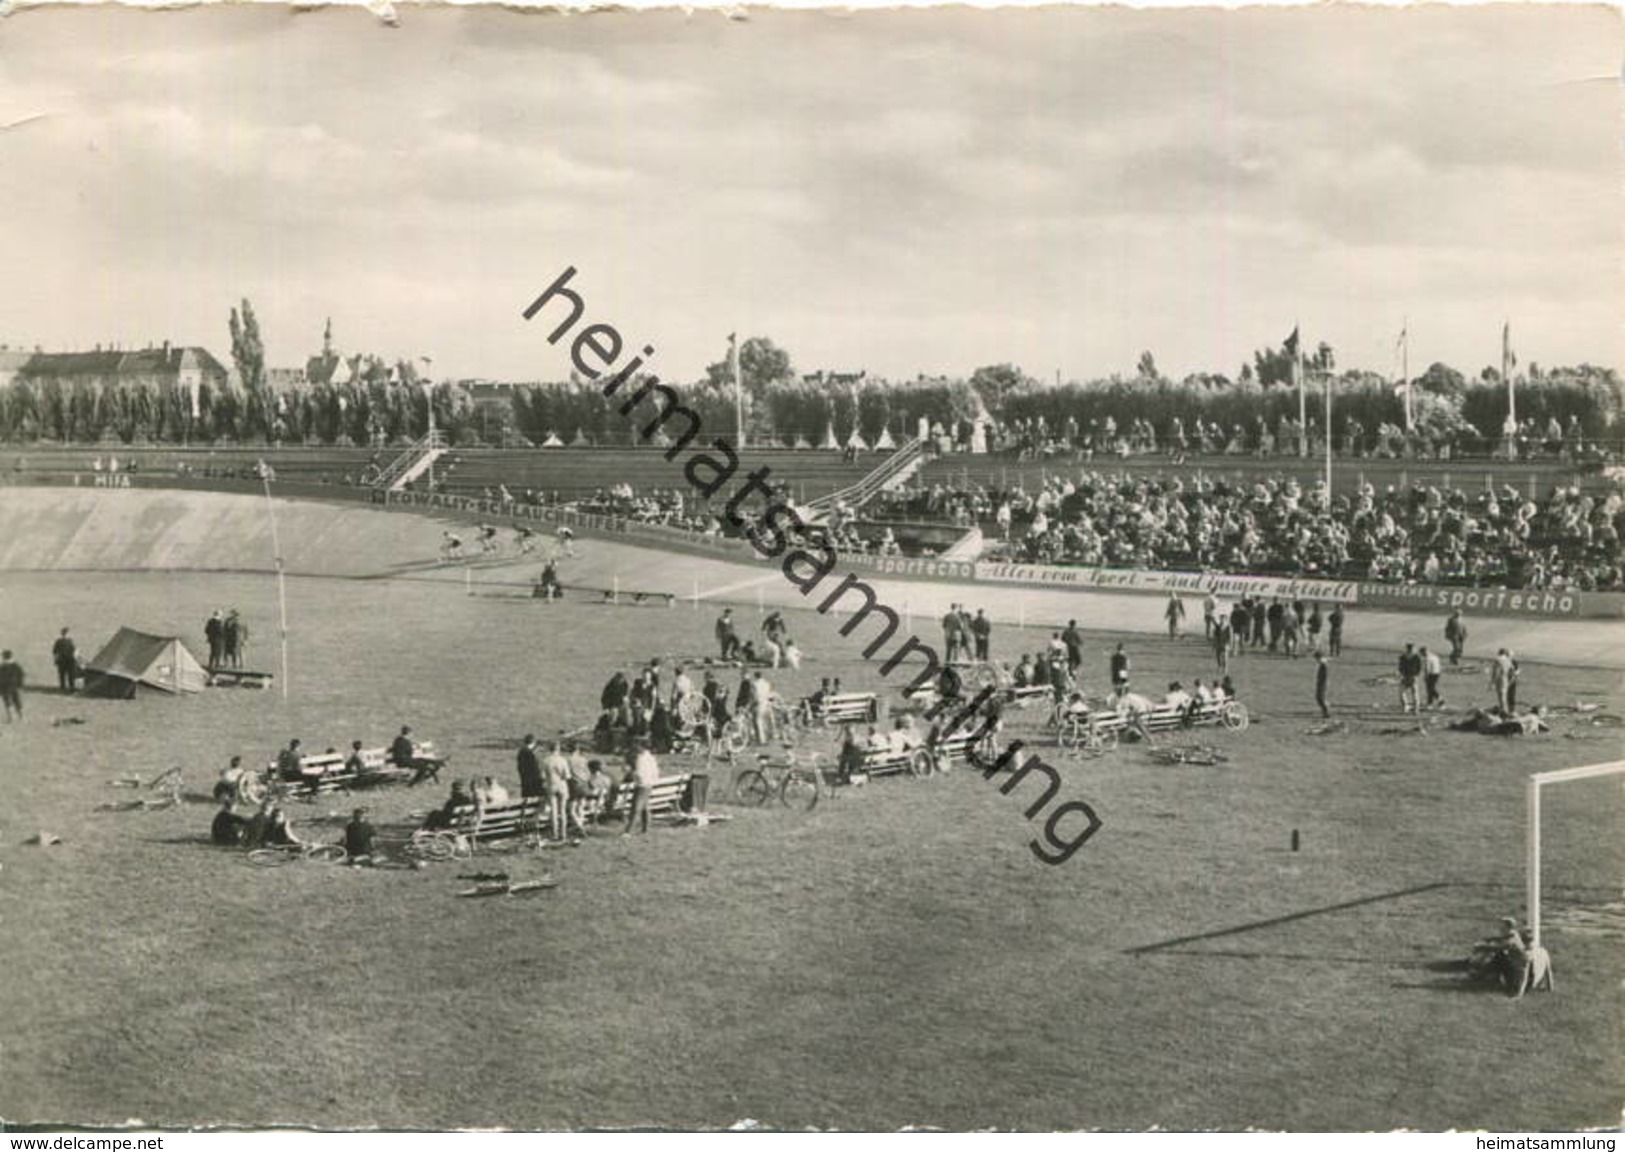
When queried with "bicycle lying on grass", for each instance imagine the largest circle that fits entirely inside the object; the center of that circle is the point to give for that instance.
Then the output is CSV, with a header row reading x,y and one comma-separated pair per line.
x,y
1199,754
276,855
167,786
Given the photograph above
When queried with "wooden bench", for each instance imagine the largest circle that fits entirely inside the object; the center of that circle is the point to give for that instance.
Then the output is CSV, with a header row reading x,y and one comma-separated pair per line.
x,y
328,772
665,798
844,708
1232,714
1029,694
892,762
239,676
957,746
498,820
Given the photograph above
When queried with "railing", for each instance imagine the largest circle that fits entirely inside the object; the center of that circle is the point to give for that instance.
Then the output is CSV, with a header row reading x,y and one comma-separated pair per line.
x,y
898,465
401,467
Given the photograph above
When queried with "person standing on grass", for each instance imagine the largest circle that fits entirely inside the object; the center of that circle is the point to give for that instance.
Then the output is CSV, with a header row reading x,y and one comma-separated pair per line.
x,y
762,694
1313,625
11,685
228,639
981,630
1334,631
1210,614
1221,643
1119,667
645,774
1072,639
1174,613
557,768
581,785
1500,677
1512,684
1323,676
66,658
1432,668
1410,668
531,782
214,631
953,639
1241,622
1455,631
727,636
1260,621
1290,625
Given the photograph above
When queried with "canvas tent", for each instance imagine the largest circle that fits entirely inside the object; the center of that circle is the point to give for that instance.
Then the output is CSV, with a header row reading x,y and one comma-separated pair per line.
x,y
134,659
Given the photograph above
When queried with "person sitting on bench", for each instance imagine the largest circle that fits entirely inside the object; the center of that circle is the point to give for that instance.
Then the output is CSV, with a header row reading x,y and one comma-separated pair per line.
x,y
290,762
1180,701
1134,708
405,755
904,736
442,817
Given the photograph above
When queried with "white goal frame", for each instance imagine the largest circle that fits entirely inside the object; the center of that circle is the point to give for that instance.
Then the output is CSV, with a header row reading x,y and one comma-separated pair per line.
x,y
1537,781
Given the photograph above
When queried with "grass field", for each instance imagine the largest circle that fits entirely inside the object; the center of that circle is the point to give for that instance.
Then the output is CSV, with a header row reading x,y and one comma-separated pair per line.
x,y
895,957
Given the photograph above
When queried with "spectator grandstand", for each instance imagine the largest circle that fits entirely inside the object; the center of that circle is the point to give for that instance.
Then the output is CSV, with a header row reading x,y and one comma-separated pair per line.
x,y
1426,531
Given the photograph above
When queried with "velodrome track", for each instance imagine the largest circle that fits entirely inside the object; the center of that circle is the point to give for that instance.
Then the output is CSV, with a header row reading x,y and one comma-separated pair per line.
x,y
82,529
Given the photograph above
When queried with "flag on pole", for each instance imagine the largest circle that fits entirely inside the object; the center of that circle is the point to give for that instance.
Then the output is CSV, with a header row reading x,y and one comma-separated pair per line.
x,y
1403,384
1509,361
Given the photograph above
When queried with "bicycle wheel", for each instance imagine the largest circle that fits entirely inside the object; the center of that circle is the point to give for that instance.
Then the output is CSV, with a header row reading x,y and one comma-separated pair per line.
x,y
800,789
1087,742
1235,716
435,846
269,857
921,764
735,737
752,788
326,853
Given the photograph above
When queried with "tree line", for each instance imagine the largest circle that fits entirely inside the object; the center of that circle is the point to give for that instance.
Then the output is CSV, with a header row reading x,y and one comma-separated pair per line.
x,y
389,405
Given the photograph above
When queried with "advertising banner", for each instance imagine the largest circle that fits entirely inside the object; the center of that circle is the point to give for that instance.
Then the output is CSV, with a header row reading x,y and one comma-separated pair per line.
x,y
1185,583
1531,602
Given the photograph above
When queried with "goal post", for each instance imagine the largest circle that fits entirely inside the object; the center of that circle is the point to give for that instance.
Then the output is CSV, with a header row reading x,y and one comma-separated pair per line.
x,y
1537,781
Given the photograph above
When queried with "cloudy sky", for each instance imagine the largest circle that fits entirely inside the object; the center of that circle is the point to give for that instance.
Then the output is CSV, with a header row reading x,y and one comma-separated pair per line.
x,y
904,192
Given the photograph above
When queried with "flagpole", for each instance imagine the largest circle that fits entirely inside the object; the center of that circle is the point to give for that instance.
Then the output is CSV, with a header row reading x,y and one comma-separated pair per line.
x,y
1405,370
1329,440
281,582
739,391
1506,374
1303,410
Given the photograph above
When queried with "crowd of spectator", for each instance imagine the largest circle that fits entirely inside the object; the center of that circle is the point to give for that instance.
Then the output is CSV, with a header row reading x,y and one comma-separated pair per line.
x,y
1036,438
1568,540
